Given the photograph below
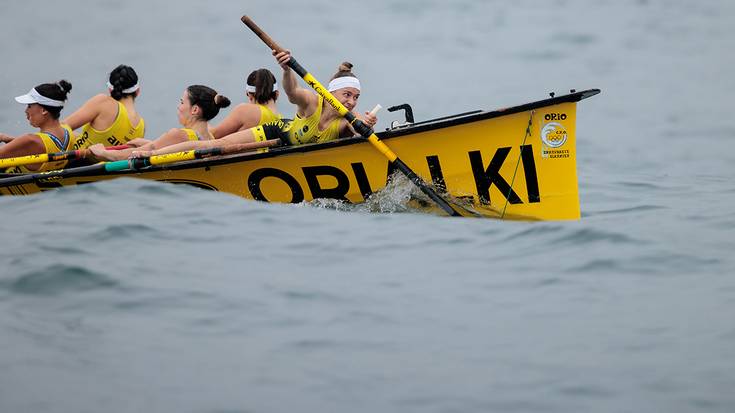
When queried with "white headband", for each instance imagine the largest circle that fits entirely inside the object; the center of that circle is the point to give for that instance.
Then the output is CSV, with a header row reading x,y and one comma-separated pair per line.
x,y
343,82
131,89
251,89
34,97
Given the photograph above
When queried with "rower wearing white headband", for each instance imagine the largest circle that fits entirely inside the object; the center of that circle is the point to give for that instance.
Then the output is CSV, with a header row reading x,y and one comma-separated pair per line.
x,y
110,119
251,90
316,120
343,82
44,104
261,90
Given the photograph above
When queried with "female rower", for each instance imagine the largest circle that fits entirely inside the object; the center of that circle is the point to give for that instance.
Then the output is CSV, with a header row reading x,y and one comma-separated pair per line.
x,y
198,105
262,92
316,120
110,119
44,108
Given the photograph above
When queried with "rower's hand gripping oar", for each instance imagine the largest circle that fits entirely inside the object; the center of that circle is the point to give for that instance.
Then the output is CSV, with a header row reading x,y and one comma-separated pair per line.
x,y
359,126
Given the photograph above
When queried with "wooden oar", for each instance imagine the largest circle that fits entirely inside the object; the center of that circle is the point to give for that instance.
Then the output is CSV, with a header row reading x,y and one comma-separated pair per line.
x,y
42,157
51,157
357,124
135,163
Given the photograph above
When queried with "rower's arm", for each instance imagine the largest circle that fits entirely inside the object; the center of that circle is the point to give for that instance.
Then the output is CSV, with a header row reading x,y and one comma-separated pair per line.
x,y
245,115
29,144
87,113
185,146
304,99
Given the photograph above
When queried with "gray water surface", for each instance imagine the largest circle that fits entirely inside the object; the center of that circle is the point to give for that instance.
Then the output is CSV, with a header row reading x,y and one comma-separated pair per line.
x,y
131,296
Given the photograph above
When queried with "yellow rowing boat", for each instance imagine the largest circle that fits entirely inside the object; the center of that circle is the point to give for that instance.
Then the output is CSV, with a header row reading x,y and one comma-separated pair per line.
x,y
513,163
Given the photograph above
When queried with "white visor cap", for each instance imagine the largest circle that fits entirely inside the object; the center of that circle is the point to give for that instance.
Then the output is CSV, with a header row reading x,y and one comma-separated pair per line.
x,y
34,97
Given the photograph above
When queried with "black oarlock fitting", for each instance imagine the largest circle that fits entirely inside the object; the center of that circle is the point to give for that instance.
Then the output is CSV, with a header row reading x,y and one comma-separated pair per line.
x,y
406,107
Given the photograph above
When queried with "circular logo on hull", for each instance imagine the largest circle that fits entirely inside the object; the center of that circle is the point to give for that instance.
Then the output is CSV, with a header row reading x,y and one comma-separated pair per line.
x,y
553,135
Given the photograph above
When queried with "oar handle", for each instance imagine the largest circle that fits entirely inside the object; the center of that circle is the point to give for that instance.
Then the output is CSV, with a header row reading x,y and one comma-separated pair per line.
x,y
263,35
376,109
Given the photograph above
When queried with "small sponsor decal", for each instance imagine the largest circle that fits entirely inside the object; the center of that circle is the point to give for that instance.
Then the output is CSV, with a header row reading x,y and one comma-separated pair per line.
x,y
555,116
555,153
554,136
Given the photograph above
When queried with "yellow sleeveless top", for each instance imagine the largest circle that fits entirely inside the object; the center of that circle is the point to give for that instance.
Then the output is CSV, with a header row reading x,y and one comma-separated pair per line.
x,y
119,133
192,135
306,130
52,144
267,115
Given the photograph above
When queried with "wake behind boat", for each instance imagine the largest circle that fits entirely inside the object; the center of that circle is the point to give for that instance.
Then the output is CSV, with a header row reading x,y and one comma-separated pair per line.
x,y
512,163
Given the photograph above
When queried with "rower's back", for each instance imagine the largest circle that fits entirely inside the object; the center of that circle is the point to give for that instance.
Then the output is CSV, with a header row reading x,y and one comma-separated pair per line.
x,y
112,119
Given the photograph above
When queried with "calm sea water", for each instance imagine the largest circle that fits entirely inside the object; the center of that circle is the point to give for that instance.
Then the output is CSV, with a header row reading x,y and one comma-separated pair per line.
x,y
132,296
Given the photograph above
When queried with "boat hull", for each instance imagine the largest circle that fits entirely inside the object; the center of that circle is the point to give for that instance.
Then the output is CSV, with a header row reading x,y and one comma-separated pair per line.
x,y
516,163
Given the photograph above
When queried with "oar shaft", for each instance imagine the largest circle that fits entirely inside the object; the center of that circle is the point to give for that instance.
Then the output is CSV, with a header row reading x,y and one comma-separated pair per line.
x,y
263,35
162,159
134,164
42,158
21,179
138,163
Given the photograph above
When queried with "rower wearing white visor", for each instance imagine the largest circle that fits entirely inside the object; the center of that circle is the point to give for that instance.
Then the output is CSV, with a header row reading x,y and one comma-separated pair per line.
x,y
315,121
262,93
44,104
110,119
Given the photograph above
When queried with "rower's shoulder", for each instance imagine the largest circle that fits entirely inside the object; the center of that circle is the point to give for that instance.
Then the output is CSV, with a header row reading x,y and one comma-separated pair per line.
x,y
26,136
247,112
102,98
30,139
247,107
100,101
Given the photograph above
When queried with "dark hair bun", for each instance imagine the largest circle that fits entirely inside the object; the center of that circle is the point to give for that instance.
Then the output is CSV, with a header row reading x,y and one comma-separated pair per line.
x,y
121,78
221,101
345,69
64,85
